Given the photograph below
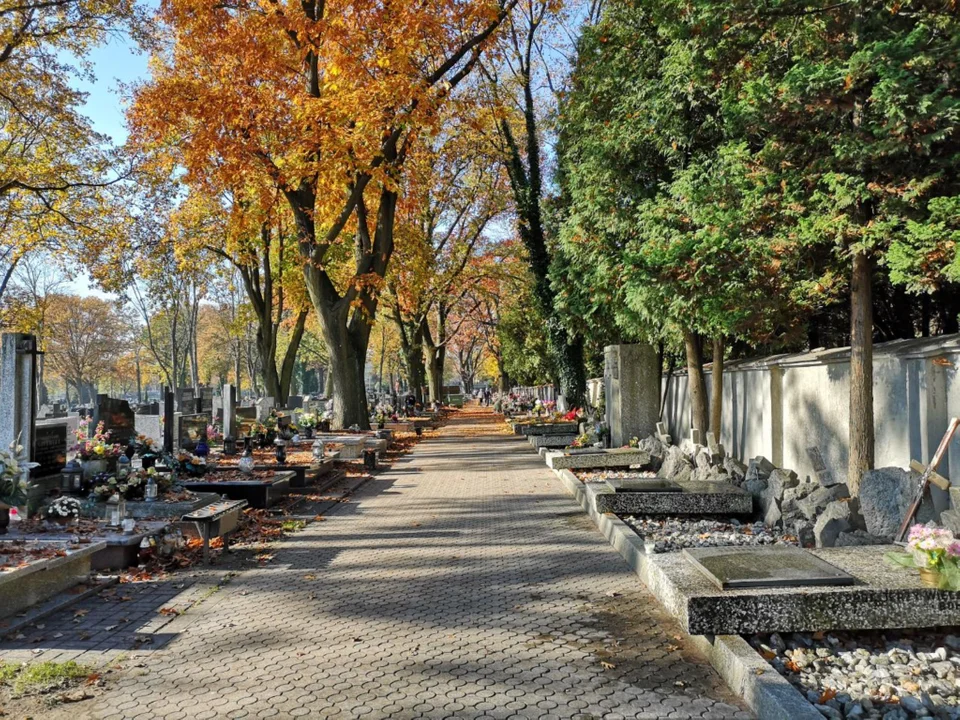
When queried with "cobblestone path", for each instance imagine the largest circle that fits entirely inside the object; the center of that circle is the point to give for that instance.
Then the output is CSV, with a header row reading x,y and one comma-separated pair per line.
x,y
461,583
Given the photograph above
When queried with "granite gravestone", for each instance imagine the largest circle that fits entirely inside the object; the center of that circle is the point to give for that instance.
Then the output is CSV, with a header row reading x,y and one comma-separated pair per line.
x,y
50,448
264,406
206,400
18,390
186,400
731,568
117,417
229,399
632,391
191,428
151,408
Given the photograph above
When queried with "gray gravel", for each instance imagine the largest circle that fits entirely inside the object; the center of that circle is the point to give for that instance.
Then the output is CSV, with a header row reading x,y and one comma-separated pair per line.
x,y
602,475
890,675
672,534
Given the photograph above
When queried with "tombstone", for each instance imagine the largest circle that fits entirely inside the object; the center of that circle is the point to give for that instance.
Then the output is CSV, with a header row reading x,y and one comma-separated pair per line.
x,y
632,391
294,402
152,408
264,406
50,447
168,418
731,568
696,437
229,400
117,418
186,400
190,428
151,427
206,400
18,390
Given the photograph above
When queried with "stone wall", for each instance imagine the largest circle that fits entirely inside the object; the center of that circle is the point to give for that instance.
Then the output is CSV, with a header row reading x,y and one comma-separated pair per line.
x,y
779,406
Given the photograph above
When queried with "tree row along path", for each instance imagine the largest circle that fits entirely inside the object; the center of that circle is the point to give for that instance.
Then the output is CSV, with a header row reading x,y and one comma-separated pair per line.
x,y
463,583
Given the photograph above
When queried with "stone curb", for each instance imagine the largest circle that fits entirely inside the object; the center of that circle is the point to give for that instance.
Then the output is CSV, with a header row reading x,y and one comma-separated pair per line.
x,y
764,690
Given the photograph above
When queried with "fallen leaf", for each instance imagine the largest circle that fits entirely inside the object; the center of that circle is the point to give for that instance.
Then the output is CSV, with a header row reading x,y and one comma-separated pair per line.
x,y
607,665
80,613
108,628
169,611
57,635
827,695
309,577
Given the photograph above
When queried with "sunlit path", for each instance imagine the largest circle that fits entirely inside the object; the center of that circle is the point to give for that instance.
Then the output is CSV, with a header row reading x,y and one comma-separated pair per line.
x,y
462,583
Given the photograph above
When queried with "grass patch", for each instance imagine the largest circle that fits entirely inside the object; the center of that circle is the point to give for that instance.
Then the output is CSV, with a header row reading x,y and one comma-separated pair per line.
x,y
45,674
8,671
293,525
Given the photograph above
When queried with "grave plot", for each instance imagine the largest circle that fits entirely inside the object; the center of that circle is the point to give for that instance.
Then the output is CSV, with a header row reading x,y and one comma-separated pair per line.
x,y
260,488
656,496
539,427
595,458
663,534
783,595
33,572
550,440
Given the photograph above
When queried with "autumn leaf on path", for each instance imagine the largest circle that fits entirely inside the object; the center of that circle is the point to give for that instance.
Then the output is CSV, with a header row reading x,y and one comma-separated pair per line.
x,y
607,665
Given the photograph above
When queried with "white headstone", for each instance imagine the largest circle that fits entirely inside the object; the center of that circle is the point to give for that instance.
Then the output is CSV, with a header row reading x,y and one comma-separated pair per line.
x,y
229,411
264,406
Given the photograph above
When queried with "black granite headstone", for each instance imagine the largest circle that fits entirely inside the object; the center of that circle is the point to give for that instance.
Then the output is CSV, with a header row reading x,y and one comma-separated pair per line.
x,y
117,417
50,449
192,428
206,399
185,400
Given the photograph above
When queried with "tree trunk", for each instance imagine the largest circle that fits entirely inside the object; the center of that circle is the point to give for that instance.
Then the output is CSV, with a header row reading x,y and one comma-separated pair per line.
x,y
716,388
861,372
699,416
139,381
285,378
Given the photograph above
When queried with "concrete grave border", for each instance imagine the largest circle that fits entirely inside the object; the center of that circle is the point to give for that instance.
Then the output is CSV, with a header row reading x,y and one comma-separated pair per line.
x,y
752,678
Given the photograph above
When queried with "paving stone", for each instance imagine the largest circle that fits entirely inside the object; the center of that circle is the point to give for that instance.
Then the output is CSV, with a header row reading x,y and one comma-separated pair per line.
x,y
463,582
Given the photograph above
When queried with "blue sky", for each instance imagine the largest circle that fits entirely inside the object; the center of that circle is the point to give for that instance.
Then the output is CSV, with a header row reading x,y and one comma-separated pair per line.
x,y
114,63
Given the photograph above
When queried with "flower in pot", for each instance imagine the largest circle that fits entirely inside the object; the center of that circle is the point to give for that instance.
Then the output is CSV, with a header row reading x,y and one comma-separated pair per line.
x,y
64,510
14,485
95,452
308,421
935,553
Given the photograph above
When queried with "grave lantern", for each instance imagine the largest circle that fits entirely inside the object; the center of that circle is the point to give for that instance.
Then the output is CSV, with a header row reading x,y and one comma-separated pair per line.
x,y
317,449
229,445
280,451
71,477
245,464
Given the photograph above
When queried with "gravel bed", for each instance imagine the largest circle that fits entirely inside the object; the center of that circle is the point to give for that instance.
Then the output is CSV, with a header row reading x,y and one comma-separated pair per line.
x,y
596,476
672,534
892,675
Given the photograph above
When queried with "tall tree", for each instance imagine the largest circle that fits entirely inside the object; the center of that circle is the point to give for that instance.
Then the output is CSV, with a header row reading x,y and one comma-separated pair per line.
x,y
334,95
522,89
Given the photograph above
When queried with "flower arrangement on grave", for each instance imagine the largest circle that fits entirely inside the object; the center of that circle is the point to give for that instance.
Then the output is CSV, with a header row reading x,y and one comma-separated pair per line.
x,y
130,488
634,442
96,446
935,552
214,434
582,441
308,420
14,472
63,509
189,464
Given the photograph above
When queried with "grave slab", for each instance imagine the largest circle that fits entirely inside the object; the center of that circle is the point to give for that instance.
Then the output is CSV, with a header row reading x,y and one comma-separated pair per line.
x,y
550,440
260,494
600,458
882,598
689,498
551,428
776,567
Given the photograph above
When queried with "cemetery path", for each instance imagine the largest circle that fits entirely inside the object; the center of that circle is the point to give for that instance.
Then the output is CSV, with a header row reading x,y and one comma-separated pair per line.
x,y
462,582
